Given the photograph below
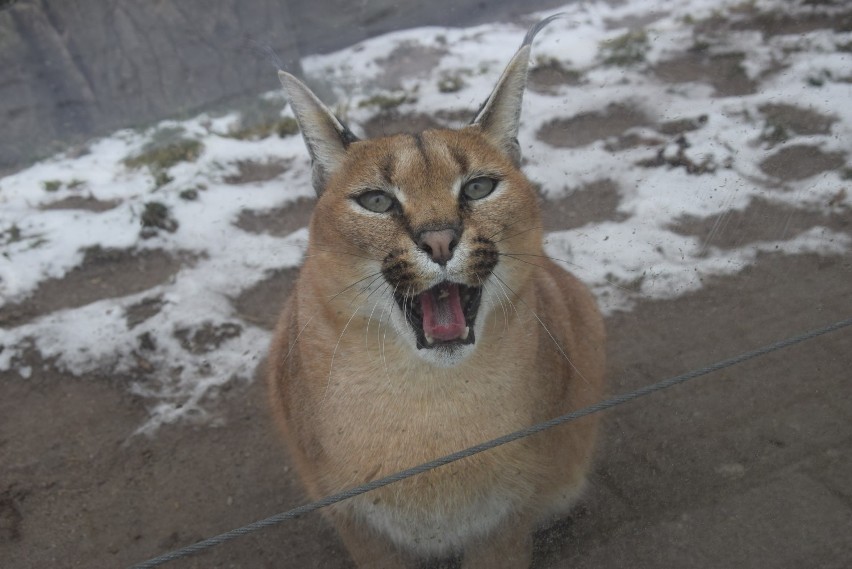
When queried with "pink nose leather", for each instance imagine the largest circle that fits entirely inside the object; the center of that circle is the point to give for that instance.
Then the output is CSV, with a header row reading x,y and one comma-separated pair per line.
x,y
438,244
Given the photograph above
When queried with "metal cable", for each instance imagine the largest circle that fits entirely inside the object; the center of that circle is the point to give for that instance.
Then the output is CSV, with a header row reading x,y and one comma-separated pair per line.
x,y
523,433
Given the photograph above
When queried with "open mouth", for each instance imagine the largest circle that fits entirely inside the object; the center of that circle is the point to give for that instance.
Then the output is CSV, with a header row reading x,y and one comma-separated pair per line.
x,y
443,315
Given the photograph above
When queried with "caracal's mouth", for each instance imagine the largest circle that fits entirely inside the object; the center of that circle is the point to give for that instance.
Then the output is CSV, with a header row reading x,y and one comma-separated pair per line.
x,y
442,316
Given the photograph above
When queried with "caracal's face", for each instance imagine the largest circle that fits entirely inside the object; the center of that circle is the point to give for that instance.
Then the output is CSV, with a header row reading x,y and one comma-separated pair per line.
x,y
426,222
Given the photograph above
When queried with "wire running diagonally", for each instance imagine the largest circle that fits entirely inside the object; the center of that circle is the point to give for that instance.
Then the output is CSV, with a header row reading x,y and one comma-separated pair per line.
x,y
482,447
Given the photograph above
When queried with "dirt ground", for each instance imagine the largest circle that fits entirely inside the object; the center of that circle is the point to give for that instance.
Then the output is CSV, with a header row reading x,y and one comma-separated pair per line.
x,y
748,467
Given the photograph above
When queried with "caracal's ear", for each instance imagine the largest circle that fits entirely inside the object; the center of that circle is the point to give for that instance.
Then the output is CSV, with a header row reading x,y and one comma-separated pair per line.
x,y
325,136
500,114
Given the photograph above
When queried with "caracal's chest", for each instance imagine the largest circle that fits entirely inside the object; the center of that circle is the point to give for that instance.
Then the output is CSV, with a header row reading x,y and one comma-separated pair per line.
x,y
409,413
402,411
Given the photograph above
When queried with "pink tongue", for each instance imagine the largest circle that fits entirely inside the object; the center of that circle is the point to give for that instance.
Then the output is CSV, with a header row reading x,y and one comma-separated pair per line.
x,y
443,317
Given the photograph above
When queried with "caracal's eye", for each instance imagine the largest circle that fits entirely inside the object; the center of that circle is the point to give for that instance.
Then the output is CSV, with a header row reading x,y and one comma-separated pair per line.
x,y
478,188
375,200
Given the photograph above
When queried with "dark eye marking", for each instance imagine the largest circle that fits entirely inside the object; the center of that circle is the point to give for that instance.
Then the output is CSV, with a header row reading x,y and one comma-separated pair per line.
x,y
461,159
376,201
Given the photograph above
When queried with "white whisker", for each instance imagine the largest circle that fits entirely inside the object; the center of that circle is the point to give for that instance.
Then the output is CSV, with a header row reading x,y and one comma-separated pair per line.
x,y
519,233
499,231
370,319
353,284
500,300
501,283
334,352
296,339
514,257
544,327
385,334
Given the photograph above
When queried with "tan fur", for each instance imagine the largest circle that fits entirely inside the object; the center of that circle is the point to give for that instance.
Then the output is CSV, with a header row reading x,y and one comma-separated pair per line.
x,y
356,402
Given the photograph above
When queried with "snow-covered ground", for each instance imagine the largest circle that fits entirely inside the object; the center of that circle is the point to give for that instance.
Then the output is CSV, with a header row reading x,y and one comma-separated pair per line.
x,y
613,55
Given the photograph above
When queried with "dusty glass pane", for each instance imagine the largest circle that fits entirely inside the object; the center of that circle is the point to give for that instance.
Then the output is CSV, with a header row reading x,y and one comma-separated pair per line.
x,y
691,166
